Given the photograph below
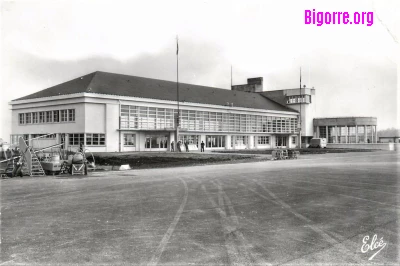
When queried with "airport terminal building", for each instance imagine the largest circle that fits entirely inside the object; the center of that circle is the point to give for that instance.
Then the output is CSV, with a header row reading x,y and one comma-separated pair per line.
x,y
110,112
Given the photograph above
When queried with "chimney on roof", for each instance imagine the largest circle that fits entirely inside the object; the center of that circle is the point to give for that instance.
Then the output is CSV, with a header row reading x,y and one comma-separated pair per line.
x,y
253,85
255,81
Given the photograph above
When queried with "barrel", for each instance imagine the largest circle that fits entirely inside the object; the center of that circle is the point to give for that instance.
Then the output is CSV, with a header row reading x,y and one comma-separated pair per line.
x,y
70,159
77,159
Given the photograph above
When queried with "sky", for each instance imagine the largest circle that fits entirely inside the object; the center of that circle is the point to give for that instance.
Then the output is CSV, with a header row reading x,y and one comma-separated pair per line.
x,y
353,68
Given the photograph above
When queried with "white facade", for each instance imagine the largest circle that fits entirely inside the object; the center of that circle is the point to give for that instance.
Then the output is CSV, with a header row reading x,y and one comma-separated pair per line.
x,y
100,121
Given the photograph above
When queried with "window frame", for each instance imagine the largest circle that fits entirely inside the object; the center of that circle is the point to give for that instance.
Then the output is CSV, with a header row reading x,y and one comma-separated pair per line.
x,y
133,137
263,140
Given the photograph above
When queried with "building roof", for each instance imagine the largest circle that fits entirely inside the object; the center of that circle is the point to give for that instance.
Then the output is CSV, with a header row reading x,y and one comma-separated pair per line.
x,y
132,86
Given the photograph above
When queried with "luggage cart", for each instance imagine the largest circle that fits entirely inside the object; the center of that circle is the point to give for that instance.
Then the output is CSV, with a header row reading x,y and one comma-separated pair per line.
x,y
279,155
292,154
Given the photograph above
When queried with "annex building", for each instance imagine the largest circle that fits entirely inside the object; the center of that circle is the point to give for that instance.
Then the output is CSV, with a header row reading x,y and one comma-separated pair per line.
x,y
110,112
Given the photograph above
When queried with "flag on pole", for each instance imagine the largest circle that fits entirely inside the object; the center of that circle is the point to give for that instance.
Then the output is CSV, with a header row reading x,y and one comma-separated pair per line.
x,y
177,46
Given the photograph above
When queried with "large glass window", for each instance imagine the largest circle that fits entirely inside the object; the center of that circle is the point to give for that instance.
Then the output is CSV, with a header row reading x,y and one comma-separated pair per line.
x,y
95,139
76,139
331,134
191,139
239,141
215,141
361,134
129,140
263,140
351,134
322,132
342,134
138,117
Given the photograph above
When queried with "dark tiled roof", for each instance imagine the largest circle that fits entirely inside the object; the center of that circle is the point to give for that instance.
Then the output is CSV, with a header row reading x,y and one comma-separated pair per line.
x,y
124,85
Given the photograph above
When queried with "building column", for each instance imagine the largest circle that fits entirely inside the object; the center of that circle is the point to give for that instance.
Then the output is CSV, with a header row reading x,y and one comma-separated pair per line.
x,y
120,141
318,135
272,138
250,144
356,134
347,134
336,134
376,135
234,142
365,134
30,143
256,142
326,133
171,139
227,142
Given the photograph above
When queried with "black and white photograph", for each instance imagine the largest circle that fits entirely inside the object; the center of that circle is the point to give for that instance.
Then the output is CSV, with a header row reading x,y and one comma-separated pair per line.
x,y
199,132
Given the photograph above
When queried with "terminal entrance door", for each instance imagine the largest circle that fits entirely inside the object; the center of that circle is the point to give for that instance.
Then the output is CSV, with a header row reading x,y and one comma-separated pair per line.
x,y
281,141
156,143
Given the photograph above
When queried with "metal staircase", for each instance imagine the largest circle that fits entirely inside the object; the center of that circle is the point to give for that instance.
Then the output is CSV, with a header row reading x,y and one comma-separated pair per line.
x,y
36,167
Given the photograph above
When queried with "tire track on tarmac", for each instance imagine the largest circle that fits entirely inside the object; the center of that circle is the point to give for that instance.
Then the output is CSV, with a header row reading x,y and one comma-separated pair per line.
x,y
234,252
309,223
244,244
237,250
345,195
352,187
164,242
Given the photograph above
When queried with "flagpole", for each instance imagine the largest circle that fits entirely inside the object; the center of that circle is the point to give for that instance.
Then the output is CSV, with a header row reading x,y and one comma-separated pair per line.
x,y
177,96
301,100
231,77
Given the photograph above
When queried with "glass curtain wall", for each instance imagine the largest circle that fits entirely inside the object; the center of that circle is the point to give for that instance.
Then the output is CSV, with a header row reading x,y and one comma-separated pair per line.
x,y
139,117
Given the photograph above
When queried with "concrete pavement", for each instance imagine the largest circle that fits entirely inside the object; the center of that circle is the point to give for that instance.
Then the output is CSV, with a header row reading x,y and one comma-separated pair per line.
x,y
315,210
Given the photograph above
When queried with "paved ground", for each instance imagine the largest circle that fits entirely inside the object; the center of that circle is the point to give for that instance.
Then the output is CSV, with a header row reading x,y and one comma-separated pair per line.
x,y
318,209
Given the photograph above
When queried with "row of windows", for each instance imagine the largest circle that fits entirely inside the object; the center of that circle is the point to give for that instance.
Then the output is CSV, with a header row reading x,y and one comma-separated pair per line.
x,y
348,134
44,136
54,116
212,141
91,139
134,117
88,139
191,139
215,141
299,99
263,140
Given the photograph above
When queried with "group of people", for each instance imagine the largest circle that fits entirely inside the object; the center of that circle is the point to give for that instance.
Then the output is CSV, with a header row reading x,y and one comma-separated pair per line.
x,y
186,146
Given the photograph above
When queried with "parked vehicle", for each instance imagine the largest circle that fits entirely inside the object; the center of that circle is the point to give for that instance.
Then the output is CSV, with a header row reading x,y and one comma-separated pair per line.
x,y
317,143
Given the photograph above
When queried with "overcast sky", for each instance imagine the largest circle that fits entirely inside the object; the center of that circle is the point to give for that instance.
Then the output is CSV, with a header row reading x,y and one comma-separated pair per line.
x,y
352,67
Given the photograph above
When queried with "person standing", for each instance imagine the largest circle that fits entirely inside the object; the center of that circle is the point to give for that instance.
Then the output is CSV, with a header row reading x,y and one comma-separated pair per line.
x,y
172,146
187,146
202,146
